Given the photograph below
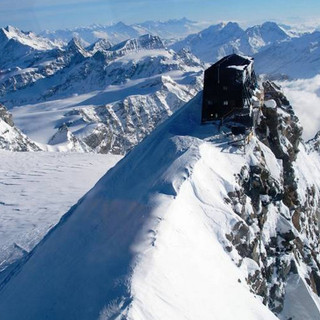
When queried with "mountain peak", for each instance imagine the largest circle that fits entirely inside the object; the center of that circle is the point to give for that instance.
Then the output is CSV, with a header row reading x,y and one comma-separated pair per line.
x,y
314,143
233,28
100,45
75,45
75,42
26,39
12,29
10,32
121,25
148,41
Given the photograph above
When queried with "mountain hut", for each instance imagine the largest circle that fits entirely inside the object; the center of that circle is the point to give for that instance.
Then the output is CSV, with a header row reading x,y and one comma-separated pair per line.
x,y
228,91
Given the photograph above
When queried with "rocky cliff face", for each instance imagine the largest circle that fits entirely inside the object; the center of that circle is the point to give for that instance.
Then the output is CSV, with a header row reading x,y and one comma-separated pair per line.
x,y
117,127
280,212
314,143
12,138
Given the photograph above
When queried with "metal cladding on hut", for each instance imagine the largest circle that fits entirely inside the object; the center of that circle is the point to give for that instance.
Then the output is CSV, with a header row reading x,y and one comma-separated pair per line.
x,y
228,89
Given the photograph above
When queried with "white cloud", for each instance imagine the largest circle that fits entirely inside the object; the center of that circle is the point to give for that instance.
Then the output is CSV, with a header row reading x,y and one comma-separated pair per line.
x,y
304,96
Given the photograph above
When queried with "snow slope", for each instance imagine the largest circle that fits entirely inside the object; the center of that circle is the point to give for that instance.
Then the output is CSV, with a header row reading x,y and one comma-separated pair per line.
x,y
19,48
109,101
219,40
36,189
214,42
277,52
147,241
296,58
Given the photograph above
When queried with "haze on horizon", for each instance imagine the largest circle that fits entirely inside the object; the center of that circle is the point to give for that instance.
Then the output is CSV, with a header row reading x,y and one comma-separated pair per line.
x,y
39,15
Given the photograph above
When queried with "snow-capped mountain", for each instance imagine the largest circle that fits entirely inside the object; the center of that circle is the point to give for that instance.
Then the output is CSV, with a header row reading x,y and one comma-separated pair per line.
x,y
118,32
25,68
29,39
105,99
19,48
295,58
114,33
278,52
171,29
89,82
220,40
74,62
266,34
146,41
99,45
212,43
186,225
12,138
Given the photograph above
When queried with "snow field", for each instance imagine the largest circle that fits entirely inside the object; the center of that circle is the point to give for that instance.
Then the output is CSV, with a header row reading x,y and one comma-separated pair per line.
x,y
36,189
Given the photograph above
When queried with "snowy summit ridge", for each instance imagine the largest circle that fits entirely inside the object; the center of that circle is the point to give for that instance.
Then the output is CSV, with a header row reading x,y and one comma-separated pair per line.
x,y
186,225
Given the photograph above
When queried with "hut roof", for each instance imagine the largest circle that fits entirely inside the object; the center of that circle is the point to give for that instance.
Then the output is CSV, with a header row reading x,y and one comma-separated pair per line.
x,y
234,61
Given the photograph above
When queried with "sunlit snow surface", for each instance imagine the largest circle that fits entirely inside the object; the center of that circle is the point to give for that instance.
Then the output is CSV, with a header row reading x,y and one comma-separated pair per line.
x,y
36,189
162,83
145,243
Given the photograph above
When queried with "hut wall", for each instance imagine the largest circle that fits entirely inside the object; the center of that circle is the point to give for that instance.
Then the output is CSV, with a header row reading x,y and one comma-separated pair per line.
x,y
223,92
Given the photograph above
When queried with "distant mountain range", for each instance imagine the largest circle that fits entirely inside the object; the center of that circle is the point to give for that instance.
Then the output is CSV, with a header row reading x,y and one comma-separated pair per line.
x,y
106,96
171,29
280,50
101,98
277,51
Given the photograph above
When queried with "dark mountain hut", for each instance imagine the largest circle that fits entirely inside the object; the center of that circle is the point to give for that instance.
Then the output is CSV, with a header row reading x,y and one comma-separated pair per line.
x,y
228,89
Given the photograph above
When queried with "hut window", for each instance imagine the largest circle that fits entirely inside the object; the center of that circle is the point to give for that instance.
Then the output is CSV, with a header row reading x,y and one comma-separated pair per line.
x,y
226,102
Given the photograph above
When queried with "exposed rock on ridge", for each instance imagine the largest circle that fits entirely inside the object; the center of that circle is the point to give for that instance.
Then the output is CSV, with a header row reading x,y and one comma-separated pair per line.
x,y
286,204
12,138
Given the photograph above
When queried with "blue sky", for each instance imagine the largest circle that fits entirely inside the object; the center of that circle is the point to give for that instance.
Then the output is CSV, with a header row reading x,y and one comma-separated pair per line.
x,y
58,14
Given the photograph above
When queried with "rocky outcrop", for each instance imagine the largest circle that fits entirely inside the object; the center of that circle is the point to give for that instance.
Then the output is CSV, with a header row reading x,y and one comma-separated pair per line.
x,y
6,116
66,141
314,143
280,130
280,226
11,138
117,127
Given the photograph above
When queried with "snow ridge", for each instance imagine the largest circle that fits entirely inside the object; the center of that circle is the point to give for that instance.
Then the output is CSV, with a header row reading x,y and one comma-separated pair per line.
x,y
183,225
